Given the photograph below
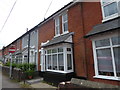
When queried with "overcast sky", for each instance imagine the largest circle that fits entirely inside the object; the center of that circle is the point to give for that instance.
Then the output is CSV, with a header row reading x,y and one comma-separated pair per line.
x,y
26,14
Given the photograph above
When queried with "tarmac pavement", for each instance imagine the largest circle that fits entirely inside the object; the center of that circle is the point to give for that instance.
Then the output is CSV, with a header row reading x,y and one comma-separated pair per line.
x,y
6,83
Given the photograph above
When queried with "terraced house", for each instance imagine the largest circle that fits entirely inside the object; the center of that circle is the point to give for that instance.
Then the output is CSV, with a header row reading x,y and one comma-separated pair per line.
x,y
0,54
80,40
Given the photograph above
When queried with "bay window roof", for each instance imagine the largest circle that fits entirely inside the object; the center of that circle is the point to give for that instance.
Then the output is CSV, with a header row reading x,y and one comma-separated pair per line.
x,y
104,27
60,39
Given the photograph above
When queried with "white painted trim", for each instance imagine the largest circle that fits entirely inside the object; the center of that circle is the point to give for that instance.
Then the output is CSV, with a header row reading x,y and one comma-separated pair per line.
x,y
95,58
56,35
111,16
64,46
113,60
65,59
106,77
59,71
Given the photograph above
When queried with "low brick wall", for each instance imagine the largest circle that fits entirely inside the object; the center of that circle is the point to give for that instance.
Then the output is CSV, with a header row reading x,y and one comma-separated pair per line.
x,y
16,73
85,84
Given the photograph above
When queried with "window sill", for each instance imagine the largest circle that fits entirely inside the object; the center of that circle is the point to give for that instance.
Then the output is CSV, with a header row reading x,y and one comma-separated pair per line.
x,y
56,35
110,17
59,71
65,32
107,77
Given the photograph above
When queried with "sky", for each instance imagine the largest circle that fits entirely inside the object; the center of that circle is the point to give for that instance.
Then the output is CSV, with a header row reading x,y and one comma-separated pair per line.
x,y
25,14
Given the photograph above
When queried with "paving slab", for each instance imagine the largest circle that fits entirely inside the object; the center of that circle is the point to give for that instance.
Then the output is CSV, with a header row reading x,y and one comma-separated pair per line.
x,y
43,85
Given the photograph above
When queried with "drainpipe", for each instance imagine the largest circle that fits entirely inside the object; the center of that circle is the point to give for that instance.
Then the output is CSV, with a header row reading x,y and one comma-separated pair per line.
x,y
28,46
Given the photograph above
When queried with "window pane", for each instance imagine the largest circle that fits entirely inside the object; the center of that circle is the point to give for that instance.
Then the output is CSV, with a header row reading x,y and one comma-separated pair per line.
x,y
105,66
69,49
57,26
65,26
57,21
57,30
116,40
25,59
54,50
101,43
65,17
48,51
49,62
60,49
117,60
61,62
110,9
69,62
55,62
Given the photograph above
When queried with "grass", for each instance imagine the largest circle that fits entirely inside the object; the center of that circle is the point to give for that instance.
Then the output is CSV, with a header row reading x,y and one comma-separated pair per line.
x,y
49,83
25,85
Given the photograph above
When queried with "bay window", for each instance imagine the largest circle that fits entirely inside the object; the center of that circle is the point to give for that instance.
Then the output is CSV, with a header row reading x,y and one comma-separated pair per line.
x,y
59,59
110,9
107,58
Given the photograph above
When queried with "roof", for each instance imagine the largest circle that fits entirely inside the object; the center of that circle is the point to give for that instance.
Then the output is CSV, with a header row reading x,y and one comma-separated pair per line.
x,y
104,27
59,39
45,20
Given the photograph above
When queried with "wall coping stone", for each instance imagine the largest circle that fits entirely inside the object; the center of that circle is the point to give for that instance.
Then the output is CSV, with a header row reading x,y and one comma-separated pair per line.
x,y
92,84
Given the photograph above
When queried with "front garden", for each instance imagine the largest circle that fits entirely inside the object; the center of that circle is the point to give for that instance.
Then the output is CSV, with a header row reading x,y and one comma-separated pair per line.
x,y
20,71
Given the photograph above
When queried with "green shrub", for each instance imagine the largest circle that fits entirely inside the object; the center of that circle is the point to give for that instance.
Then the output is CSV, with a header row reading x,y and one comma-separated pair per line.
x,y
20,66
7,64
32,66
29,72
14,65
25,67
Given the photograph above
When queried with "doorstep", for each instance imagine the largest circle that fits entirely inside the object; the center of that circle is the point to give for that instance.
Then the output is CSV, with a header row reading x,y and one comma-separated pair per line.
x,y
33,81
43,85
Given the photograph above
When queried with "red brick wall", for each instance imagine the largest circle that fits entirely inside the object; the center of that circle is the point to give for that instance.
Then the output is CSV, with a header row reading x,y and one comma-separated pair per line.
x,y
92,15
81,19
75,25
46,32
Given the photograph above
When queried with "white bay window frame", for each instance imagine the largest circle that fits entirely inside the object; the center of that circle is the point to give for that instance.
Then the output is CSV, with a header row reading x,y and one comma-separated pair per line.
x,y
115,77
106,3
65,52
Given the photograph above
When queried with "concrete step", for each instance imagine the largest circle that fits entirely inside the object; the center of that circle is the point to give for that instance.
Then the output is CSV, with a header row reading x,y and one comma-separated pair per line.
x,y
33,81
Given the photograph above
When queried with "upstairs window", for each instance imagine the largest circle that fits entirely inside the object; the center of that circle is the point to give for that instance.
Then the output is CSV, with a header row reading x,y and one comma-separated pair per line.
x,y
65,23
109,9
57,26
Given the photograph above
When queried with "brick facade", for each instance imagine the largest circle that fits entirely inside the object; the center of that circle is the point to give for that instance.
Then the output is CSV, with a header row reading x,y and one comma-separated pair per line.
x,y
82,17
